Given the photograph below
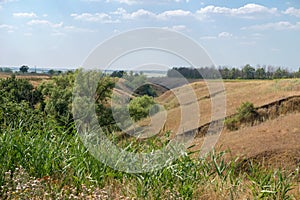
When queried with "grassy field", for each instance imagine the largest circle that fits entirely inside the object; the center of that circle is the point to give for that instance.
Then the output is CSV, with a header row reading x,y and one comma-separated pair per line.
x,y
42,160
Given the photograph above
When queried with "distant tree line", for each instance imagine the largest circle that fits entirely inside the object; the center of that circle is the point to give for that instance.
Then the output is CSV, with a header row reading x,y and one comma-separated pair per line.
x,y
247,72
5,69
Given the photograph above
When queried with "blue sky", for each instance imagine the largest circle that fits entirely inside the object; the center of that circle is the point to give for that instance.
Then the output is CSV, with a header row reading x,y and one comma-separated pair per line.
x,y
62,33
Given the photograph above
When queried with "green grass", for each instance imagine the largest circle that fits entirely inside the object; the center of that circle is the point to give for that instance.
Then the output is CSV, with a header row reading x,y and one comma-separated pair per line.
x,y
51,162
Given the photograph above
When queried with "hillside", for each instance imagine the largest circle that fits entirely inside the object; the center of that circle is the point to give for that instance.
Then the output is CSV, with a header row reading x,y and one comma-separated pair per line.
x,y
256,91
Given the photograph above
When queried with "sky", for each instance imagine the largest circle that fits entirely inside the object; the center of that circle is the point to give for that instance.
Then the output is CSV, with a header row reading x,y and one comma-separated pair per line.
x,y
62,33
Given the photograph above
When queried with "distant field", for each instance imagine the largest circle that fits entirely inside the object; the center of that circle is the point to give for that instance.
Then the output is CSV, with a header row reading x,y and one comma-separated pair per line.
x,y
34,79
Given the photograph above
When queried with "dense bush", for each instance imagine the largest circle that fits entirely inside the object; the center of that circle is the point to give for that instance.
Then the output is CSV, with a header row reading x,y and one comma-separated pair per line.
x,y
18,90
140,107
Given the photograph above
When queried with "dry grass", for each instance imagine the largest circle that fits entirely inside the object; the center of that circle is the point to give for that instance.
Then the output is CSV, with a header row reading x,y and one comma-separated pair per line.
x,y
259,92
34,79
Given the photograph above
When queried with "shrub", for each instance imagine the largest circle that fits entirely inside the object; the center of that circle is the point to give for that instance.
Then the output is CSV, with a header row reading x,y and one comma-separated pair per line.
x,y
140,107
232,123
246,113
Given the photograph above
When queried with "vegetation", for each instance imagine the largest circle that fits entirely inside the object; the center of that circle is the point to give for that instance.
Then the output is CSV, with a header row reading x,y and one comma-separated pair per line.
x,y
24,69
246,114
247,72
5,70
140,107
42,156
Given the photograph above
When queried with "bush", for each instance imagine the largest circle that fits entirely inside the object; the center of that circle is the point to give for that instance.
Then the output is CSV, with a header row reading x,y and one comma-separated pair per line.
x,y
246,113
140,107
232,123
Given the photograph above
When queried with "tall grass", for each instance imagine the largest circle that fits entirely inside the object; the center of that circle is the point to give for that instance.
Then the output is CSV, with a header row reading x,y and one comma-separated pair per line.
x,y
60,166
49,161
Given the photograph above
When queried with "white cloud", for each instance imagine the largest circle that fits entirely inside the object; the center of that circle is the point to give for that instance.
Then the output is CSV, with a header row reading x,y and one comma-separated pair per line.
x,y
179,28
292,11
45,23
97,17
225,35
25,15
146,14
5,1
282,25
173,13
222,35
76,29
8,28
141,13
133,2
246,11
59,29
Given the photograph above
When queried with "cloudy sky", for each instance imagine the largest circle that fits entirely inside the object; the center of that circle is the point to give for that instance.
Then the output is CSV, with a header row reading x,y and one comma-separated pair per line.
x,y
61,33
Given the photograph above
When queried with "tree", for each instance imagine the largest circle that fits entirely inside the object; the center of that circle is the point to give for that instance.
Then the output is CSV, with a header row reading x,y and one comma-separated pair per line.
x,y
118,74
24,69
248,72
280,73
7,70
18,90
140,107
297,74
260,73
58,94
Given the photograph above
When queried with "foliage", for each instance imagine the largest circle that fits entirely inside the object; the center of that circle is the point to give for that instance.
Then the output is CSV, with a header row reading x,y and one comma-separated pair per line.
x,y
54,72
18,90
246,113
40,159
134,81
140,107
58,97
24,69
118,74
247,72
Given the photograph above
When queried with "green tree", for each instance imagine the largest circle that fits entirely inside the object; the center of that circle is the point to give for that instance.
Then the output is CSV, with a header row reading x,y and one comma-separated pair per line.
x,y
248,72
18,90
58,94
260,73
140,107
118,74
24,69
7,70
58,97
280,73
